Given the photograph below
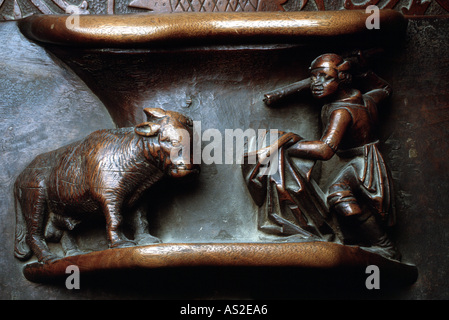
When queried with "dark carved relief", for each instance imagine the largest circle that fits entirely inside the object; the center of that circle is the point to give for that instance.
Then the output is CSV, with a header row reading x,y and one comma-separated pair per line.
x,y
208,5
106,172
15,9
303,222
413,7
356,204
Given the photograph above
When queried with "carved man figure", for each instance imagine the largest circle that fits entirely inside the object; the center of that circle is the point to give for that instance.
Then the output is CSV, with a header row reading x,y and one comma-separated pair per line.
x,y
360,192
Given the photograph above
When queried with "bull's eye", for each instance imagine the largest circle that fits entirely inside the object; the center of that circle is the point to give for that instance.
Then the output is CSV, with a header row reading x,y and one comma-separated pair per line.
x,y
164,137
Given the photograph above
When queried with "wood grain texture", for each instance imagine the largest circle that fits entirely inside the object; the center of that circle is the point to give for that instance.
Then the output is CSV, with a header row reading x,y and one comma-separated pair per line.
x,y
320,255
205,28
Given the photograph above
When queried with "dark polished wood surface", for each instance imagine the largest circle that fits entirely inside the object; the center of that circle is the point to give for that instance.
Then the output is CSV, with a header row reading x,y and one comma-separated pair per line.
x,y
160,30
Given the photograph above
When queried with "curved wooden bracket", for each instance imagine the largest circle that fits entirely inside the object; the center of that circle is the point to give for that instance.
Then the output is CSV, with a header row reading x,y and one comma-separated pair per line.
x,y
150,30
317,255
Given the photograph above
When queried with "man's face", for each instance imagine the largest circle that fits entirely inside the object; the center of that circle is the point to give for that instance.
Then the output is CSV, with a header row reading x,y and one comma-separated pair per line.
x,y
324,82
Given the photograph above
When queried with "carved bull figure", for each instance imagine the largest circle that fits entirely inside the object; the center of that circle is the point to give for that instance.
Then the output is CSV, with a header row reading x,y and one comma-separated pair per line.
x,y
106,173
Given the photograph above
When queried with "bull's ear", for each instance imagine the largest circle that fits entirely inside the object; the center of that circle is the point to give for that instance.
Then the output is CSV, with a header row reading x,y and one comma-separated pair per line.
x,y
147,129
154,113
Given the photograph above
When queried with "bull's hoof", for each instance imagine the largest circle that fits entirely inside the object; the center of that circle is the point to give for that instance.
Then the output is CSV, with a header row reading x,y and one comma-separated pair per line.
x,y
76,252
122,244
147,239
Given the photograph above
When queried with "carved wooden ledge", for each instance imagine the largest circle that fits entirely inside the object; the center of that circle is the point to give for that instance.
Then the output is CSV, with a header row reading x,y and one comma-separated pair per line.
x,y
131,31
316,255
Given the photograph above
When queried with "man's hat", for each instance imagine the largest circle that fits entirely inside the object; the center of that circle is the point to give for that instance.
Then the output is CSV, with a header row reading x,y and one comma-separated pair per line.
x,y
332,61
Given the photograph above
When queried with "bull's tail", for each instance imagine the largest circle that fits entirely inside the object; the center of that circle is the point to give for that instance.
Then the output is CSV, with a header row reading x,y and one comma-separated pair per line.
x,y
21,249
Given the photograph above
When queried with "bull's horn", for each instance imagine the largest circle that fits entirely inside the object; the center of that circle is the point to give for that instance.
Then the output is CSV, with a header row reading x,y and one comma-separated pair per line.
x,y
154,113
147,129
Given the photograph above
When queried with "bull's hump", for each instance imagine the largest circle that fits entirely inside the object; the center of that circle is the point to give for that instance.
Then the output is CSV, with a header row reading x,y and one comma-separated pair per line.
x,y
117,132
110,138
113,149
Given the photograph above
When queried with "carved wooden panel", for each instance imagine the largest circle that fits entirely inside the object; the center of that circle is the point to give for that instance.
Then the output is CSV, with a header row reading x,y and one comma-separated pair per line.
x,y
217,220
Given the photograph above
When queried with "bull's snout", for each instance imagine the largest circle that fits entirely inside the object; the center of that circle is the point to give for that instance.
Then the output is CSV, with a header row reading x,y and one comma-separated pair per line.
x,y
182,170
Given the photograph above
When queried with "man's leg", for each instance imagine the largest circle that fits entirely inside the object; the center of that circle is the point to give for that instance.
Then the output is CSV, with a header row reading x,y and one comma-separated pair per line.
x,y
358,222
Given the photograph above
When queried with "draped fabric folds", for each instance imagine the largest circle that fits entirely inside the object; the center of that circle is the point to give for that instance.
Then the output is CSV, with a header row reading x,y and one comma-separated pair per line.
x,y
374,180
289,202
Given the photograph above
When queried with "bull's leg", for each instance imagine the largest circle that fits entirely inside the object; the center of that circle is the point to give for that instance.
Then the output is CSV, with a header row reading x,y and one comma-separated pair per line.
x,y
113,221
141,231
52,232
34,208
70,246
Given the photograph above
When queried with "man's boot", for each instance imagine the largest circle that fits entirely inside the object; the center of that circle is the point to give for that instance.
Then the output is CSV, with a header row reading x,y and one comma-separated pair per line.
x,y
378,239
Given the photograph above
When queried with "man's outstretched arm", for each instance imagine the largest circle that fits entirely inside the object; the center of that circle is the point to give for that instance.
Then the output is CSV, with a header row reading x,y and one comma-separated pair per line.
x,y
326,147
